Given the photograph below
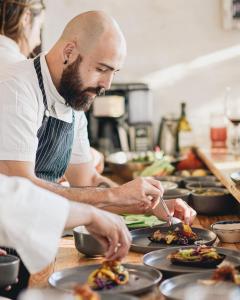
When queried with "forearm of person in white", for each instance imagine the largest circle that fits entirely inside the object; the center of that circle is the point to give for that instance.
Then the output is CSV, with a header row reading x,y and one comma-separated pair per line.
x,y
32,220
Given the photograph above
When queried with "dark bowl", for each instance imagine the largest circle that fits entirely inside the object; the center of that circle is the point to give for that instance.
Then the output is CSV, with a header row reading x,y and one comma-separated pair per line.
x,y
9,267
85,243
177,193
213,204
201,184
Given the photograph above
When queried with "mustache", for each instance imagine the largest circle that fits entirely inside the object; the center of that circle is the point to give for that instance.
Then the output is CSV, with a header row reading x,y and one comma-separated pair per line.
x,y
99,91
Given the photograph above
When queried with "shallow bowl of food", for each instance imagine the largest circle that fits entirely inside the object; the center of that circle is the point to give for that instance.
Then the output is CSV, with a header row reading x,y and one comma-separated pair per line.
x,y
195,179
227,231
125,164
85,243
201,184
212,201
9,267
177,193
176,179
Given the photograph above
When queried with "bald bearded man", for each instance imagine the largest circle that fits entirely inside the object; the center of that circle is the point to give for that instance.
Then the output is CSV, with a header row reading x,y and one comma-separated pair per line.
x,y
42,121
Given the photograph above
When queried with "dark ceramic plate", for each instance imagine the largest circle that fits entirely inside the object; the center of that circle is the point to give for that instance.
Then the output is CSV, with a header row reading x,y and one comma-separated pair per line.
x,y
141,279
158,259
142,244
175,288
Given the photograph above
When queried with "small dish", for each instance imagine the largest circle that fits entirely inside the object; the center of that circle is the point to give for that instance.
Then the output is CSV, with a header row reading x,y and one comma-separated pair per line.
x,y
201,184
9,266
168,185
227,231
177,193
176,179
85,243
235,177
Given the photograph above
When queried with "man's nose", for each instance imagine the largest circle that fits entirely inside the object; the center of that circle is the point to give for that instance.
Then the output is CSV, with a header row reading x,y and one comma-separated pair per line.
x,y
106,81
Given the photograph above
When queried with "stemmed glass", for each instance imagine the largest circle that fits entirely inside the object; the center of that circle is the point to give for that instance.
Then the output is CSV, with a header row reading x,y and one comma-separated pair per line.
x,y
232,109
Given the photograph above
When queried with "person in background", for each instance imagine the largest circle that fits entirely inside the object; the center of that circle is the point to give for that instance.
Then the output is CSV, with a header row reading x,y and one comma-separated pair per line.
x,y
27,232
20,33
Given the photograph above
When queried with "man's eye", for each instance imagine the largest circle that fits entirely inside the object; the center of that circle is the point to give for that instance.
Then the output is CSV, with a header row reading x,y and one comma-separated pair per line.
x,y
101,70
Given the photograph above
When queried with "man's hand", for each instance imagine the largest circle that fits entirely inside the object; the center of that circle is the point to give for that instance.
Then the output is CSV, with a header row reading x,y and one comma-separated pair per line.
x,y
178,208
140,194
111,231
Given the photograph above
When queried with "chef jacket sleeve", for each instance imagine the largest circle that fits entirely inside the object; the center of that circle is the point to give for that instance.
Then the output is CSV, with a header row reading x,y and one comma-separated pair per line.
x,y
31,221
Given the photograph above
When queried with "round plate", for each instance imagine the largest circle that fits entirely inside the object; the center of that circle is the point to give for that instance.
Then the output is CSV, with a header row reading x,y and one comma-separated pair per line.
x,y
158,259
176,287
142,244
141,279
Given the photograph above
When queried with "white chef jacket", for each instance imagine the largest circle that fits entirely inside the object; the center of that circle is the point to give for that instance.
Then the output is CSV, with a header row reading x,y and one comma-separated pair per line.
x,y
22,111
31,221
9,52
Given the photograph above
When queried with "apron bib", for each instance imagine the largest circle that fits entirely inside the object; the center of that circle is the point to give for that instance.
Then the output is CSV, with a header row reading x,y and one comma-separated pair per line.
x,y
55,139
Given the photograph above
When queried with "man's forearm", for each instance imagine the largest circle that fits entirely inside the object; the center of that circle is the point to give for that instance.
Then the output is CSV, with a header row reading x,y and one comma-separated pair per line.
x,y
98,197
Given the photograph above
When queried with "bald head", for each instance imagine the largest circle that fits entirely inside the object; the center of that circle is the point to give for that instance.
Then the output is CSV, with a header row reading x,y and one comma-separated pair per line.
x,y
84,60
88,28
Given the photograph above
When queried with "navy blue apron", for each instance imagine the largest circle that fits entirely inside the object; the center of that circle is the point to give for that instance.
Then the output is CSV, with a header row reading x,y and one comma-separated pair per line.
x,y
55,139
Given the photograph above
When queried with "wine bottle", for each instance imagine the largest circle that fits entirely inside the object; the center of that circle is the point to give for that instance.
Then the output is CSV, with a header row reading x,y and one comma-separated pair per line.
x,y
184,132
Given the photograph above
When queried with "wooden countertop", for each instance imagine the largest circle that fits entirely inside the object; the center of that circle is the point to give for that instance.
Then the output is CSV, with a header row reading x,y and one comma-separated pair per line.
x,y
68,256
219,162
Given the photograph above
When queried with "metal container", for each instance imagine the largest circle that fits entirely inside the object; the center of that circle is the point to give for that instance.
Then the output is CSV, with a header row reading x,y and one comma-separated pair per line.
x,y
213,204
120,163
85,243
177,193
9,267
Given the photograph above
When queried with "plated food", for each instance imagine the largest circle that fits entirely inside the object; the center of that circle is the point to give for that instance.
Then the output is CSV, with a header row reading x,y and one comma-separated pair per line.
x,y
109,275
201,256
141,242
181,235
226,273
84,292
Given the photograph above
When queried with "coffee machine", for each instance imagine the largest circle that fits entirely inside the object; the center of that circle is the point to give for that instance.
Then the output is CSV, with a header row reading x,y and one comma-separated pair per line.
x,y
121,119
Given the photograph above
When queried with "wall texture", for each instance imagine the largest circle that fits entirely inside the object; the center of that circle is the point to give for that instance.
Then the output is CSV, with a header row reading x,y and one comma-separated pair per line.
x,y
169,43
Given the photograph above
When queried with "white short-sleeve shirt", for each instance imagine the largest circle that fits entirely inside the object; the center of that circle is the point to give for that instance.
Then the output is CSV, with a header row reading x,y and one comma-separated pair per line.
x,y
22,112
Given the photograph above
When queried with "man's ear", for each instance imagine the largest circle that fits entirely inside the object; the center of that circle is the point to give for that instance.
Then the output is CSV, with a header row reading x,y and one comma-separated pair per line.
x,y
68,52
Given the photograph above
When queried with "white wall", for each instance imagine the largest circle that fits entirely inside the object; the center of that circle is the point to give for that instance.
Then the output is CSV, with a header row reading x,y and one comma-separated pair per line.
x,y
162,34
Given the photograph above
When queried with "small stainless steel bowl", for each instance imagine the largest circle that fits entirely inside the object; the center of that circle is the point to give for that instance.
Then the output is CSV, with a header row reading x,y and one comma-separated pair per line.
x,y
9,267
121,164
176,179
177,193
85,243
227,231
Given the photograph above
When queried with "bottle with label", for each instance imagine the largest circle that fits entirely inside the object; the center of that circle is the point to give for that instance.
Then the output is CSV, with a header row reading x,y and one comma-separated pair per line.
x,y
184,132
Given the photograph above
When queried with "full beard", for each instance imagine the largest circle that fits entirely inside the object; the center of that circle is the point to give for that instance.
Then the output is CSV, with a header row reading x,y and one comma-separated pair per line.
x,y
71,88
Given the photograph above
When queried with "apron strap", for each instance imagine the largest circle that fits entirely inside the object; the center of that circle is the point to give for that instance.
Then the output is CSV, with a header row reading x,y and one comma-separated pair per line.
x,y
37,66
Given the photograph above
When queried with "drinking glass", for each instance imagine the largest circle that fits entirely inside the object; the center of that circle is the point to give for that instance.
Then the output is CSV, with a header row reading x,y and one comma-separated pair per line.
x,y
218,130
232,108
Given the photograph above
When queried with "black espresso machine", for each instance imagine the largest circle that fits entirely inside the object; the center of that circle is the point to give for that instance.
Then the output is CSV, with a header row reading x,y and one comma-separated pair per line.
x,y
121,119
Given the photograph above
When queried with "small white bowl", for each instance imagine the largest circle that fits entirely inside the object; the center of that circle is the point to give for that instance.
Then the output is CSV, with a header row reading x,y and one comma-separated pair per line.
x,y
227,231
